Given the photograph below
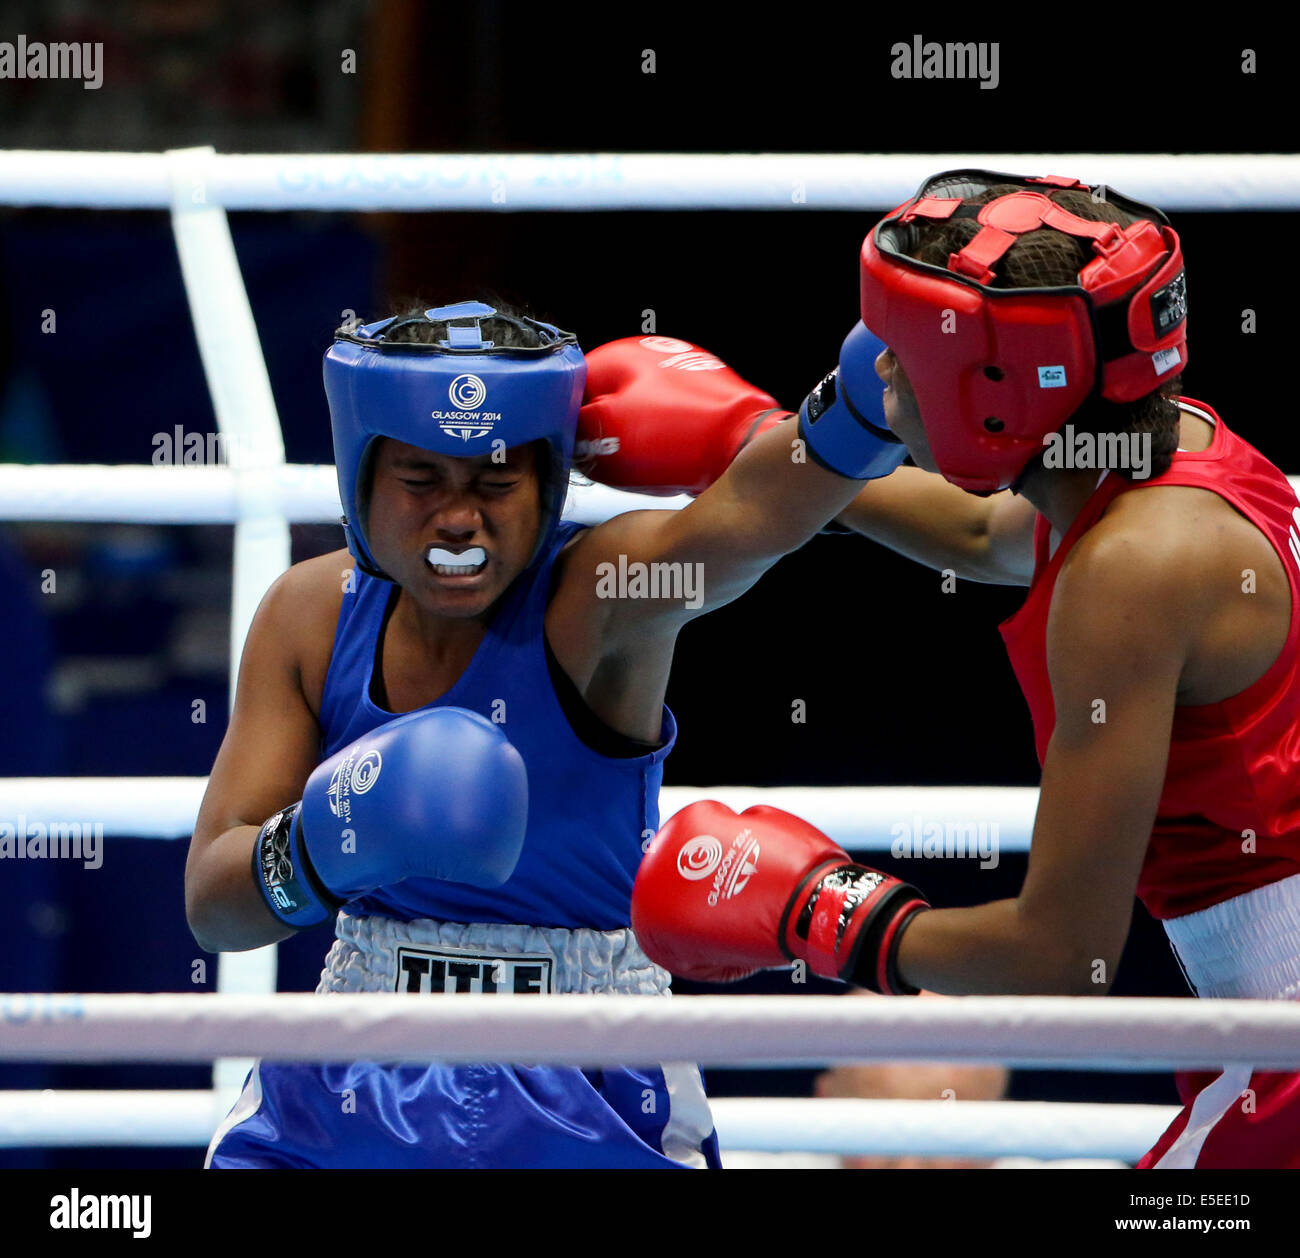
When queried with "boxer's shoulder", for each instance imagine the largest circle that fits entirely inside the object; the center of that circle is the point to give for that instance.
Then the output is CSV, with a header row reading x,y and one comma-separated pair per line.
x,y
303,607
1138,567
1191,531
1162,572
1137,531
321,581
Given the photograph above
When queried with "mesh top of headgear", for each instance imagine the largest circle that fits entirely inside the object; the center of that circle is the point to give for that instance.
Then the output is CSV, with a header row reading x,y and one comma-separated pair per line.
x,y
899,239
468,325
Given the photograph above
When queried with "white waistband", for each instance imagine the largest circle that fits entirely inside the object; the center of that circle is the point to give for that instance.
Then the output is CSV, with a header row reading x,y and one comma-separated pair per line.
x,y
1245,948
381,954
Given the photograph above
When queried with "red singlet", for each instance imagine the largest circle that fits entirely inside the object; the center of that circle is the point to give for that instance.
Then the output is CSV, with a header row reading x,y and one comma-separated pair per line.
x,y
1232,915
1234,766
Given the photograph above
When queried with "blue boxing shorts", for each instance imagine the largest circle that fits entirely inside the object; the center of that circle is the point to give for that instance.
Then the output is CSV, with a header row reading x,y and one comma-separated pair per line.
x,y
361,1115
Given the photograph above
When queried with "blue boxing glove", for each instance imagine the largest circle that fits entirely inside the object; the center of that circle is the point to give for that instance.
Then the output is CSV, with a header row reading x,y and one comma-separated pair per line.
x,y
842,421
438,793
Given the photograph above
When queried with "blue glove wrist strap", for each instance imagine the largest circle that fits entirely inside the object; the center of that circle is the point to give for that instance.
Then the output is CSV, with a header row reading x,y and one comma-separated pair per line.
x,y
285,876
843,440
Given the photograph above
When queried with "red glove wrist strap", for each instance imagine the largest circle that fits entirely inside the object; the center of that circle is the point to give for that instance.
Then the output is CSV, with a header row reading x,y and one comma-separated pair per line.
x,y
841,913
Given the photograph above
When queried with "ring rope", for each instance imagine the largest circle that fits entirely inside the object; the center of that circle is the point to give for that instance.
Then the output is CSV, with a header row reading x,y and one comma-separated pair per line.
x,y
978,823
304,493
617,181
1044,1032
982,1129
307,493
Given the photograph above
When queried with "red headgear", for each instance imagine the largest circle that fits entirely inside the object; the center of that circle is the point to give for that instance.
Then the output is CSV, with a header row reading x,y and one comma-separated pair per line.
x,y
995,370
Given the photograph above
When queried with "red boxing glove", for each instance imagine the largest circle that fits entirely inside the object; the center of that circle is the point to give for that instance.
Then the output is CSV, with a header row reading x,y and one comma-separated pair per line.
x,y
720,895
663,415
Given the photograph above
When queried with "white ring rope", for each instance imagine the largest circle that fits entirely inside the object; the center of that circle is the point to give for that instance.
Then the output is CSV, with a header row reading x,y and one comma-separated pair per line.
x,y
1036,1129
1054,1032
620,181
307,493
65,1119
131,493
966,822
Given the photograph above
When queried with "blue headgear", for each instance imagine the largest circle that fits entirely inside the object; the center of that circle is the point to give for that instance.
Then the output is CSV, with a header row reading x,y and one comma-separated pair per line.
x,y
460,396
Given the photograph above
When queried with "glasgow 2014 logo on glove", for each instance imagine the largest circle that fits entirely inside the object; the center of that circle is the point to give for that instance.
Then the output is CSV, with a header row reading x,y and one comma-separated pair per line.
x,y
355,775
737,868
699,857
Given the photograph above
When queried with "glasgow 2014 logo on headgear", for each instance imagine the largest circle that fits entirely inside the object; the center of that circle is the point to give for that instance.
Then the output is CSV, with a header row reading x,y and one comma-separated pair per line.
x,y
466,393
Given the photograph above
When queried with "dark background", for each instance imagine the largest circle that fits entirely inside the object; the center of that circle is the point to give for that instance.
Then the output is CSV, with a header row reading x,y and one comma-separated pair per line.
x,y
903,684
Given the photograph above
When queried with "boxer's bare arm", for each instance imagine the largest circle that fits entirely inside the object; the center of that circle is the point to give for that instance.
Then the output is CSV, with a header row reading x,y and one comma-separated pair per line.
x,y
614,640
765,505
269,751
922,516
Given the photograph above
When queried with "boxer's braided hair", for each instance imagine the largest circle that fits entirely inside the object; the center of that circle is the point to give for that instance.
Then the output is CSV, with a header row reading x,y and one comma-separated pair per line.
x,y
1047,258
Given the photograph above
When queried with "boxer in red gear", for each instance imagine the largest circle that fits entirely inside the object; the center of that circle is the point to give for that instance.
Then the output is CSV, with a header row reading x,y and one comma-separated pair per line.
x,y
1159,652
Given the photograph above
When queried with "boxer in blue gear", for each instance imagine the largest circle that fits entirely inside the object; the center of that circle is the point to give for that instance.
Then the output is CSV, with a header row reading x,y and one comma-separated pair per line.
x,y
475,739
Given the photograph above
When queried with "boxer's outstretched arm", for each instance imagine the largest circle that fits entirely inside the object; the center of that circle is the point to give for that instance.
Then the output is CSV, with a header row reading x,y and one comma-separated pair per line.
x,y
670,416
269,751
765,505
922,516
